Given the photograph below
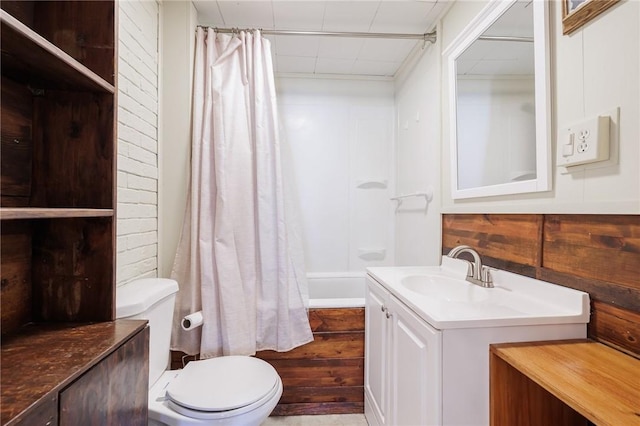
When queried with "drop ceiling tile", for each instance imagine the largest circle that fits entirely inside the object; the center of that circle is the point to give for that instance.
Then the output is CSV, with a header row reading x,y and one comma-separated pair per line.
x,y
403,16
297,45
333,66
340,47
247,13
295,64
390,50
208,13
378,68
349,16
298,15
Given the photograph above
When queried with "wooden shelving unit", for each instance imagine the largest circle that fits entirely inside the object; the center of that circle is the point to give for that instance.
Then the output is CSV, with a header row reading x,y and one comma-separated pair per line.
x,y
64,358
563,383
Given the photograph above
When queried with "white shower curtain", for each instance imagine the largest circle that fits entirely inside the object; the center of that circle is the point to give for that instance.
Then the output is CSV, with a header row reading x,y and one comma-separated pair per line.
x,y
238,259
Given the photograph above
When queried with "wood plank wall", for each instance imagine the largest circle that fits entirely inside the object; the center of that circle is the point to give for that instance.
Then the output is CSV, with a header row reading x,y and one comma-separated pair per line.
x,y
598,254
325,376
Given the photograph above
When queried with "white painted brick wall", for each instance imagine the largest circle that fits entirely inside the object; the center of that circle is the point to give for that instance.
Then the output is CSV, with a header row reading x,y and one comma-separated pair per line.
x,y
137,241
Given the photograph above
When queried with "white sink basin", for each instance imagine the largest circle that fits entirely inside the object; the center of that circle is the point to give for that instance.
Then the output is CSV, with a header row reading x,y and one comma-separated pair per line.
x,y
443,298
445,289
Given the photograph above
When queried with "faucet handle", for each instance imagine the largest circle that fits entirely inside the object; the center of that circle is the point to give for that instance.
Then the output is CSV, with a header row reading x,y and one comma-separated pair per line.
x,y
487,279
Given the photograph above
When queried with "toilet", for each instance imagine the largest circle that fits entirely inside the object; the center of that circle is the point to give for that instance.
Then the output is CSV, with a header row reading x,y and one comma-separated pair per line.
x,y
229,390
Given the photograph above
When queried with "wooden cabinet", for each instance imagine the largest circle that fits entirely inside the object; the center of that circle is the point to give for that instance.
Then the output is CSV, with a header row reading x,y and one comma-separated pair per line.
x,y
571,382
57,202
402,363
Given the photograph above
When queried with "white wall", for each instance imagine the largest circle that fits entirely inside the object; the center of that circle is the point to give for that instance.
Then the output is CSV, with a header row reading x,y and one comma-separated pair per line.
x,y
594,70
340,138
179,19
418,127
137,225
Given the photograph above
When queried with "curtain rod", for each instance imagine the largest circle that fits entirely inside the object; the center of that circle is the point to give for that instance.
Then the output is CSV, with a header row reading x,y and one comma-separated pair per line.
x,y
431,37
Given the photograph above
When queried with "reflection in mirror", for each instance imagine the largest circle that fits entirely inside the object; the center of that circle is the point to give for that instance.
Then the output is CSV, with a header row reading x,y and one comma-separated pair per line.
x,y
499,119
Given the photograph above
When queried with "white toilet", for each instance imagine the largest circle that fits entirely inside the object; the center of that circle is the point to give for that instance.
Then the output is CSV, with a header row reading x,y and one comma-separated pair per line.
x,y
230,390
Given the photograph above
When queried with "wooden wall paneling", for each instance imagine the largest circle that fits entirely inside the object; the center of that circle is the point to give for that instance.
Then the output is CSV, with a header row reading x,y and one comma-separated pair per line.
x,y
316,394
324,345
71,279
601,247
19,9
325,376
15,275
83,29
336,319
122,380
312,408
616,327
320,372
16,149
505,241
73,145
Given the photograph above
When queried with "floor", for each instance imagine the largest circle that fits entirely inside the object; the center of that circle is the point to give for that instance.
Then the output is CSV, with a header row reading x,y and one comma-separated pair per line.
x,y
325,420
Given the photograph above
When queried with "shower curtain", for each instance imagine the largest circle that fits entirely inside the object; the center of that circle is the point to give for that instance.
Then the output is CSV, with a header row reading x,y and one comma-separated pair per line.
x,y
239,258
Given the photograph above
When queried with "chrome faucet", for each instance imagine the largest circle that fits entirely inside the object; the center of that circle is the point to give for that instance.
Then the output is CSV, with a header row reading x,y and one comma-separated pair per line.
x,y
476,272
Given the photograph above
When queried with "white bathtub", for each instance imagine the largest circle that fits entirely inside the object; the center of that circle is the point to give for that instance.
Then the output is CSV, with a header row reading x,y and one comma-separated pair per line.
x,y
336,289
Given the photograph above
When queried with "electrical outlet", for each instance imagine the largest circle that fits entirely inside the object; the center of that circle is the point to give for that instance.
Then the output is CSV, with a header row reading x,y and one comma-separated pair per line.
x,y
584,142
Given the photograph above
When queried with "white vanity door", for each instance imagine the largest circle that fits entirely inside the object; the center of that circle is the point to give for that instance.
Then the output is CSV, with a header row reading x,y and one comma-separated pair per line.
x,y
376,349
415,373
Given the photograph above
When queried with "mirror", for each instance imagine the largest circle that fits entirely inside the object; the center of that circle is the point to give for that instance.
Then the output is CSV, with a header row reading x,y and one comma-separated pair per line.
x,y
499,102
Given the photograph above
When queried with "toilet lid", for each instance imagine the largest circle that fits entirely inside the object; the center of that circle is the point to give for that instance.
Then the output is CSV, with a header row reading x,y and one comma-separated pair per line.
x,y
224,383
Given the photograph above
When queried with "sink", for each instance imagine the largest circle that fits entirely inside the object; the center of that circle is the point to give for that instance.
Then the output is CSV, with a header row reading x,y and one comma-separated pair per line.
x,y
441,296
444,288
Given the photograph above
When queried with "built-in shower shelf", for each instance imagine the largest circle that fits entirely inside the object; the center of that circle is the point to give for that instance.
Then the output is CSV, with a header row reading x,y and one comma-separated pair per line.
x,y
371,183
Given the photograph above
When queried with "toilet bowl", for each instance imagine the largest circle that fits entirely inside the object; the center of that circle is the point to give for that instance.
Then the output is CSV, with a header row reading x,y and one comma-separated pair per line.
x,y
175,399
229,390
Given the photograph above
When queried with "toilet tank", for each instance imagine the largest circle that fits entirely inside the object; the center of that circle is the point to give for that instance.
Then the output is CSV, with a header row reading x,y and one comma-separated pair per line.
x,y
151,299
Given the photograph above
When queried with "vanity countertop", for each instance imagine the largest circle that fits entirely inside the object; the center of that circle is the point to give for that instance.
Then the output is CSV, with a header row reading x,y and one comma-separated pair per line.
x,y
441,296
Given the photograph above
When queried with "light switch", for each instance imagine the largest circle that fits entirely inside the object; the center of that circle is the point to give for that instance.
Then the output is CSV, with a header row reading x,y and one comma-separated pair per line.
x,y
585,142
567,148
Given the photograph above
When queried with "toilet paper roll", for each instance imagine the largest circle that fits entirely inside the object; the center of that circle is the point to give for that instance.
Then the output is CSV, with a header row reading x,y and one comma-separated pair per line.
x,y
192,321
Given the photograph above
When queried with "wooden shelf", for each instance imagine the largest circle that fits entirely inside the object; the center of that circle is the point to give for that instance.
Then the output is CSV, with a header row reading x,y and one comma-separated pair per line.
x,y
598,382
7,213
29,57
44,358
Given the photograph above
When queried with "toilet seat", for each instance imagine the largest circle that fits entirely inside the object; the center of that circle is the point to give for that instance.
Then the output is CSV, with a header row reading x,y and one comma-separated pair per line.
x,y
222,387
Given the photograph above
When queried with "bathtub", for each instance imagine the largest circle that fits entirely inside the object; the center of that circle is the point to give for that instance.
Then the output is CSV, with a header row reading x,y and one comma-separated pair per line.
x,y
336,290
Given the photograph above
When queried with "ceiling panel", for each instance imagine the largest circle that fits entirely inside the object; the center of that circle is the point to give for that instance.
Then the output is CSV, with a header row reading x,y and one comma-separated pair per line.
x,y
354,16
402,17
318,55
298,15
340,48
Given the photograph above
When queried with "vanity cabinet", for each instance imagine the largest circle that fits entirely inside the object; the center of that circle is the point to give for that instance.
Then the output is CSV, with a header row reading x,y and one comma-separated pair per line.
x,y
402,359
57,213
420,374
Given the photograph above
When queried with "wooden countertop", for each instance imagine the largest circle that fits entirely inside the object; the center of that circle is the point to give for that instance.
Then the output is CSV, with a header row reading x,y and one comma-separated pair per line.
x,y
600,383
44,358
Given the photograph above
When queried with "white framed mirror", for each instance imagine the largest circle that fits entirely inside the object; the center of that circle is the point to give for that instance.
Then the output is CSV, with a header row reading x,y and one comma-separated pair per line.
x,y
499,97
